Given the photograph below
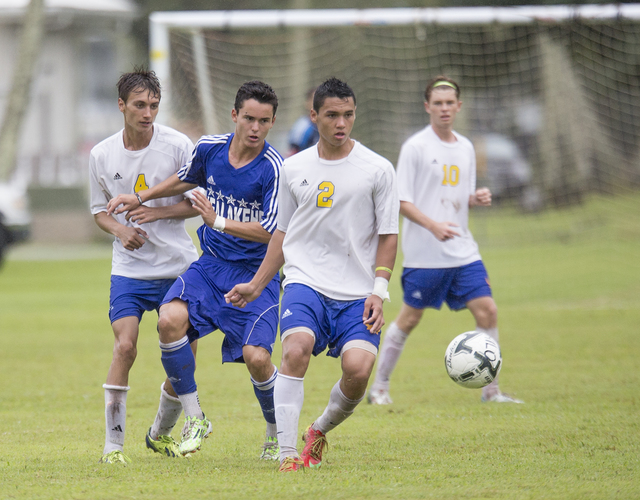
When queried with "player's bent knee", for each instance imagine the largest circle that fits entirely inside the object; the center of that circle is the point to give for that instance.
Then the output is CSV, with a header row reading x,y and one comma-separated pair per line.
x,y
126,351
256,356
358,358
487,316
173,320
409,318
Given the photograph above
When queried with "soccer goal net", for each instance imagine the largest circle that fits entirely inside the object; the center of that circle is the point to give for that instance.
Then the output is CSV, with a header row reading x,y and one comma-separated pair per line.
x,y
551,95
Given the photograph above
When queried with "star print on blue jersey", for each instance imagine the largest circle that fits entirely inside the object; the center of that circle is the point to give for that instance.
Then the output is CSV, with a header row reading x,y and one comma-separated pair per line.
x,y
248,194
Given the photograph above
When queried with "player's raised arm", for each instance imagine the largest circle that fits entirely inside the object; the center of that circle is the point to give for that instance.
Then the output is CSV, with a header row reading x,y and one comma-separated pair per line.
x,y
127,202
443,231
252,231
244,293
179,211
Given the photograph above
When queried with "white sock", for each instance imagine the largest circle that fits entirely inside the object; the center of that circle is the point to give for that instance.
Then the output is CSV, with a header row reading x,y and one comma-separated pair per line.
x,y
288,397
392,346
340,407
168,414
191,405
115,412
492,389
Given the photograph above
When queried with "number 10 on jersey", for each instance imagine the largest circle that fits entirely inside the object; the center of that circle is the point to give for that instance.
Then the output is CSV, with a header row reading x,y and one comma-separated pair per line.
x,y
451,175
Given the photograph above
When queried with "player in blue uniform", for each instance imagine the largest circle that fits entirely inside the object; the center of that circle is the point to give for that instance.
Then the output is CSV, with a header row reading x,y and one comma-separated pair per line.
x,y
303,133
240,174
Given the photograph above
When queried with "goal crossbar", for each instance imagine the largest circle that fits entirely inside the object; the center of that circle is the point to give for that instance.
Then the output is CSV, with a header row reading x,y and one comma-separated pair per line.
x,y
160,23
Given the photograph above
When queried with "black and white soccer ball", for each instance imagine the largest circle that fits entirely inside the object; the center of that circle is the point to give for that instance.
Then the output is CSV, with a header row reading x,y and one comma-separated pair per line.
x,y
473,360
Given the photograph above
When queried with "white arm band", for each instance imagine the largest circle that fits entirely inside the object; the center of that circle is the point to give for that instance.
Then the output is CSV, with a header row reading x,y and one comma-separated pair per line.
x,y
380,286
219,223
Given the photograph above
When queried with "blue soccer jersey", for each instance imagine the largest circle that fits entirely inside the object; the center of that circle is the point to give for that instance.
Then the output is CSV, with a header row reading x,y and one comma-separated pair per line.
x,y
246,194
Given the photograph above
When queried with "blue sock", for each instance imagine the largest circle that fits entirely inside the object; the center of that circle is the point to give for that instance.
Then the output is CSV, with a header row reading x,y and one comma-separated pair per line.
x,y
264,393
180,365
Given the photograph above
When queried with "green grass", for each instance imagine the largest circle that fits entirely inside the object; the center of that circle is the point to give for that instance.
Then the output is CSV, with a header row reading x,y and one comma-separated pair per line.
x,y
567,285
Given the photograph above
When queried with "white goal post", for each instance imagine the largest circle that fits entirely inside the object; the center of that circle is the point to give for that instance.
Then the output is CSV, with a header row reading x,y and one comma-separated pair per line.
x,y
551,93
195,21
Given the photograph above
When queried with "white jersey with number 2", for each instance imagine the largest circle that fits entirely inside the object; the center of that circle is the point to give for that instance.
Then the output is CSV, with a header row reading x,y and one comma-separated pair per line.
x,y
438,178
332,213
115,170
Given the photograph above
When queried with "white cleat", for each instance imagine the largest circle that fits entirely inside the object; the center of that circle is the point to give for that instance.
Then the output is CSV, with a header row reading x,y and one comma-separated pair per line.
x,y
501,397
379,397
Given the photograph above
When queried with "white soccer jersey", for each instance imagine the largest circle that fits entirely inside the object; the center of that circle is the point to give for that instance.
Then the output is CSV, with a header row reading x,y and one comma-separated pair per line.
x,y
332,213
438,178
115,170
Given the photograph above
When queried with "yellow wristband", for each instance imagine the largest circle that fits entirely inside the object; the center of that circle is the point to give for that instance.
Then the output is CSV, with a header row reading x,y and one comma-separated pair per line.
x,y
382,268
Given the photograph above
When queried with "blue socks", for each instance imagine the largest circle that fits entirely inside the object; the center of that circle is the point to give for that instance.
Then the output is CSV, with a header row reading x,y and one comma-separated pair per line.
x,y
180,365
264,393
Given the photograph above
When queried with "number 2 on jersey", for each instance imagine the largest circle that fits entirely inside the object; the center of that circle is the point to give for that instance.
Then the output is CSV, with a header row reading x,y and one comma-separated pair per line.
x,y
451,175
141,184
324,196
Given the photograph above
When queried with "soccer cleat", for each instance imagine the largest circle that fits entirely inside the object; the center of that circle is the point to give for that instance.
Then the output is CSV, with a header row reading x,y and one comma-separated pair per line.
x,y
165,445
501,397
291,464
115,457
270,449
379,397
315,442
195,430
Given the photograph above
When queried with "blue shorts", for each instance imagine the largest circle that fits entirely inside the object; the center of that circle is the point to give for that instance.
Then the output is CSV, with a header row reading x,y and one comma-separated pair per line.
x,y
334,322
455,285
132,297
203,286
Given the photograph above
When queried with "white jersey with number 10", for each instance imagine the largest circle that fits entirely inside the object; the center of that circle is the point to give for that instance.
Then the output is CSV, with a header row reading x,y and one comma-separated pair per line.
x,y
438,178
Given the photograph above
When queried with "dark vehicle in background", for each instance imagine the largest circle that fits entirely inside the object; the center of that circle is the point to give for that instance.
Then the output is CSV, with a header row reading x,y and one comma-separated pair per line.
x,y
15,218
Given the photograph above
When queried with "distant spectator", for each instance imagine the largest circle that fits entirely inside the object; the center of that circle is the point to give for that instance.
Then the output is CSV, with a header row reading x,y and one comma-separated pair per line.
x,y
303,133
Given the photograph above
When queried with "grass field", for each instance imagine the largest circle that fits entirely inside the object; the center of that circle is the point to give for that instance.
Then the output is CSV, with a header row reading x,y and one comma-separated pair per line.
x,y
568,289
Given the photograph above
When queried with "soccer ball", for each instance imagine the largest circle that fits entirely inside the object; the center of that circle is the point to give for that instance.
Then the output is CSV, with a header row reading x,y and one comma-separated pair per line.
x,y
473,360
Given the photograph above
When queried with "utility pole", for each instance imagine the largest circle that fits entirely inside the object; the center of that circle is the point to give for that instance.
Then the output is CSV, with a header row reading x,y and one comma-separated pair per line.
x,y
18,100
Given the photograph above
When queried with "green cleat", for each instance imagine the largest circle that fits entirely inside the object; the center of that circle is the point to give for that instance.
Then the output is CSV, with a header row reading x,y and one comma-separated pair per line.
x,y
115,457
165,445
270,449
194,432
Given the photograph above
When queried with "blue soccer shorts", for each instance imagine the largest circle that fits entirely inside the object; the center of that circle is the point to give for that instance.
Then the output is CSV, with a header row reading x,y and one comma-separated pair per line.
x,y
132,297
334,323
454,285
203,286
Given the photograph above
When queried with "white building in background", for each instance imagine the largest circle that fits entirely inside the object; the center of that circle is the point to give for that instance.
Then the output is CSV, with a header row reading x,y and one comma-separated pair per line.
x,y
86,46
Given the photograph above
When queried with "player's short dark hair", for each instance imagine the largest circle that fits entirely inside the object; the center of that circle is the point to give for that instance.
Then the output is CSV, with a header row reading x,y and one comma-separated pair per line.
x,y
259,91
139,79
332,88
441,81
